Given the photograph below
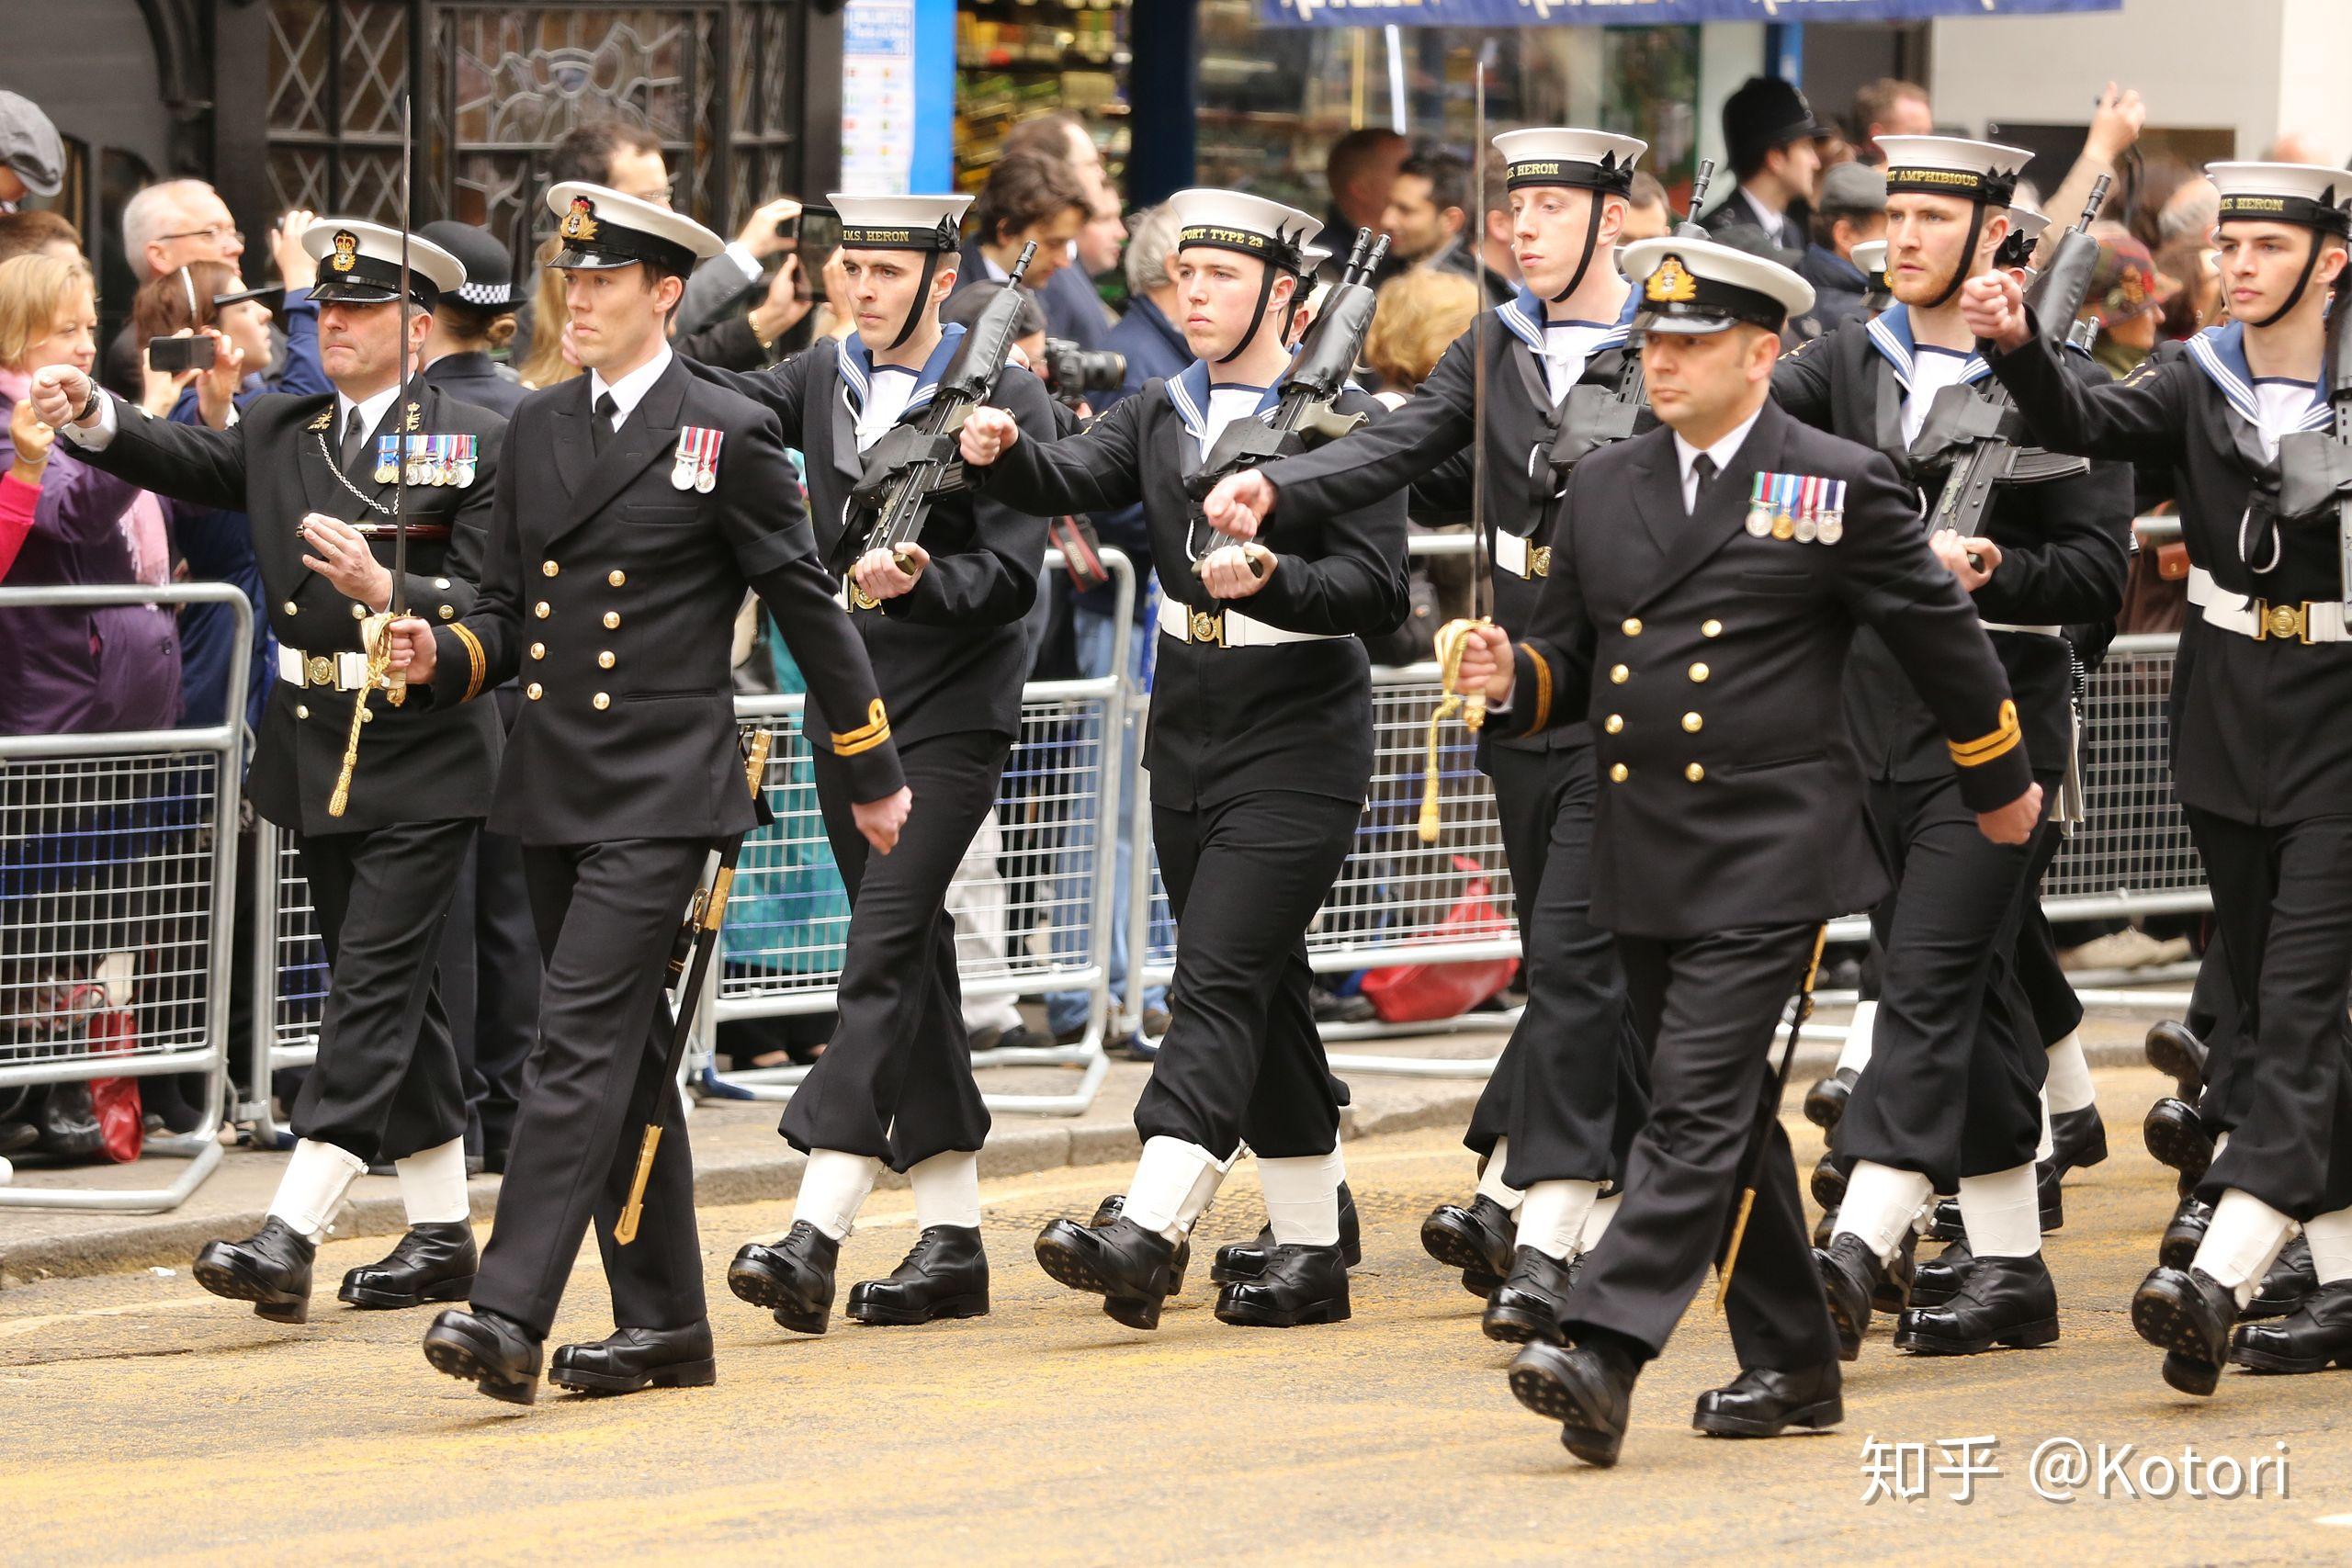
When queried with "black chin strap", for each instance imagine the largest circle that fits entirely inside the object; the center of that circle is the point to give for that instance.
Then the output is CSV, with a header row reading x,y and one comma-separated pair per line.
x,y
1592,239
1265,292
922,298
2303,281
1959,271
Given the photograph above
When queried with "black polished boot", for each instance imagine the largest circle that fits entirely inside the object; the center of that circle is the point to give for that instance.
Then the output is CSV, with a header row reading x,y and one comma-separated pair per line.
x,y
270,1268
2177,1138
945,1275
2189,1314
1825,1100
1479,1239
495,1354
1247,1260
2005,1300
1111,1208
1299,1285
1939,1278
1587,1389
630,1358
1854,1281
2315,1335
1764,1402
432,1262
2077,1139
2290,1283
2175,1051
794,1277
1526,1306
1129,1267
2185,1235
1828,1183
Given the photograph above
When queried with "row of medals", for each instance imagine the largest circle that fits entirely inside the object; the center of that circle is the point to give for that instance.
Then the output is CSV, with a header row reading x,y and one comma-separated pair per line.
x,y
1804,528
429,470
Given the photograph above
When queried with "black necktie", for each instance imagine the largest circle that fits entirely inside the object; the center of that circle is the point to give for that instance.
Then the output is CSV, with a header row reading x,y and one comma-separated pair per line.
x,y
355,439
1703,469
600,428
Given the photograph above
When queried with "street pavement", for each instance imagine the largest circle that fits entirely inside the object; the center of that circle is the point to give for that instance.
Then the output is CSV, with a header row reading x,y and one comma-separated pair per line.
x,y
141,1418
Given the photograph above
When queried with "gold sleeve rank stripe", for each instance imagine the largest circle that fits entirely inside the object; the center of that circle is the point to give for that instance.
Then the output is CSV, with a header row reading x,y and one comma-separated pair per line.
x,y
872,733
474,660
2000,743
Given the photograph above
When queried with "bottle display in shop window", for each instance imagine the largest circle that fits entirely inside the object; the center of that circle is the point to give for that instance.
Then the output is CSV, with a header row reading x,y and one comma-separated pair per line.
x,y
1019,59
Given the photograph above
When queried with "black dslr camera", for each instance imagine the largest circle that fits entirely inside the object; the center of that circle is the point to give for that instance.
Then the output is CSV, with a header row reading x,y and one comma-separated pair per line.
x,y
1072,372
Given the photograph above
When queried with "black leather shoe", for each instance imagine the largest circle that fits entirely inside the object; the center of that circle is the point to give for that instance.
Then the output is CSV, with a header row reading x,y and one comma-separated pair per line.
x,y
1763,1402
794,1277
1129,1267
2077,1139
1824,1227
2175,1051
1825,1100
1247,1260
945,1275
2315,1335
431,1263
2185,1235
270,1268
2290,1283
1299,1285
1939,1278
632,1358
2177,1138
2189,1314
2005,1300
1526,1306
1479,1239
1828,1183
1587,1389
1111,1208
495,1354
1853,1279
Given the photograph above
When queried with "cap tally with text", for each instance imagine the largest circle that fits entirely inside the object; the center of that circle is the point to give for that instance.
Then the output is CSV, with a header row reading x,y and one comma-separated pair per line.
x,y
2310,194
1982,172
1234,221
899,222
359,264
1695,287
601,228
1563,155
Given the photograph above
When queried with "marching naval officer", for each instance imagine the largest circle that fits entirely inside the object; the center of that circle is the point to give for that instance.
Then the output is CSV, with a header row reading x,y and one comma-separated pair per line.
x,y
1705,621
636,504
317,476
1260,750
1558,1115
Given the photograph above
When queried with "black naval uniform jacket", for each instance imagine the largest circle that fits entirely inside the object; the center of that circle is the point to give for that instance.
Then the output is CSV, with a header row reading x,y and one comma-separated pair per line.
x,y
610,591
1426,445
1228,721
2258,726
2064,543
1712,663
415,765
950,653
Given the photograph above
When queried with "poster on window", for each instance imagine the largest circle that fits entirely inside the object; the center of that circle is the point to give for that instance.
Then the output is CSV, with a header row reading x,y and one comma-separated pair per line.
x,y
1638,13
878,96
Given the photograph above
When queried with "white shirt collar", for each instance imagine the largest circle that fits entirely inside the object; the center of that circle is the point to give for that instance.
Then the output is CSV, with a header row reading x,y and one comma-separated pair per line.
x,y
1722,452
1774,224
630,390
371,411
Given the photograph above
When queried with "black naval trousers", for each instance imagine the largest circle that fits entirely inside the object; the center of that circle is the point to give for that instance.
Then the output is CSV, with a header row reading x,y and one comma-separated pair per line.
x,y
386,1083
1571,1087
1953,1087
2057,1011
2283,897
608,916
1241,1059
896,1081
1713,1005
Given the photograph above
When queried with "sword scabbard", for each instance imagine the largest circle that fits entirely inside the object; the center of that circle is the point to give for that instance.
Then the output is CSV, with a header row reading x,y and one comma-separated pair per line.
x,y
624,1229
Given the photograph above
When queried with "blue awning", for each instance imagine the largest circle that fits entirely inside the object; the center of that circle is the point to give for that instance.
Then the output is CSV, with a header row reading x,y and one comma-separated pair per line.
x,y
1638,13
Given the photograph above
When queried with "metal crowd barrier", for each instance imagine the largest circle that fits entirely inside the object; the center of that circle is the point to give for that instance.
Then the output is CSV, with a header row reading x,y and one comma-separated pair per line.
x,y
118,880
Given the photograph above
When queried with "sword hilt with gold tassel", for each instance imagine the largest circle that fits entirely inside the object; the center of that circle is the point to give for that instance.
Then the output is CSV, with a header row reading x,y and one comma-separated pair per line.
x,y
1452,641
375,634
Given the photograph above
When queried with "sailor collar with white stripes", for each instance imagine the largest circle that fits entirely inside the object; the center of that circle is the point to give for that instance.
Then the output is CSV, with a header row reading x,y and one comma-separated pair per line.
x,y
857,370
1890,334
2220,353
1523,317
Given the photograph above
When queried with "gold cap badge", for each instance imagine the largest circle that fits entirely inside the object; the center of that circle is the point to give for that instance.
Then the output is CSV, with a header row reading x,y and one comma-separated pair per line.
x,y
346,251
1671,283
580,223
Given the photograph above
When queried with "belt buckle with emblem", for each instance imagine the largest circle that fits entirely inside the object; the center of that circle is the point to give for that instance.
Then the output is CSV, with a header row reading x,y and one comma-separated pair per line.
x,y
319,668
1208,625
2280,621
1538,561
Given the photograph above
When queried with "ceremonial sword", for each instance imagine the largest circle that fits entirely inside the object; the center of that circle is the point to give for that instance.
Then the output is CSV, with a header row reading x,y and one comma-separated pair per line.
x,y
1751,1165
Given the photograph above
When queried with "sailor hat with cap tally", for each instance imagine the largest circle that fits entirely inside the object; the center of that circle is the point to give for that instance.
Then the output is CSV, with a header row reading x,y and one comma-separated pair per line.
x,y
602,230
359,264
1280,236
1983,174
2310,196
922,223
1870,258
1692,288
1598,161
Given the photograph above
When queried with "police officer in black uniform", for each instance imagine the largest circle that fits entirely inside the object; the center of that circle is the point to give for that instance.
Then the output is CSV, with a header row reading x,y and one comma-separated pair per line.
x,y
1566,1095
636,504
895,1084
320,477
1951,1100
2262,765
1260,750
1706,617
